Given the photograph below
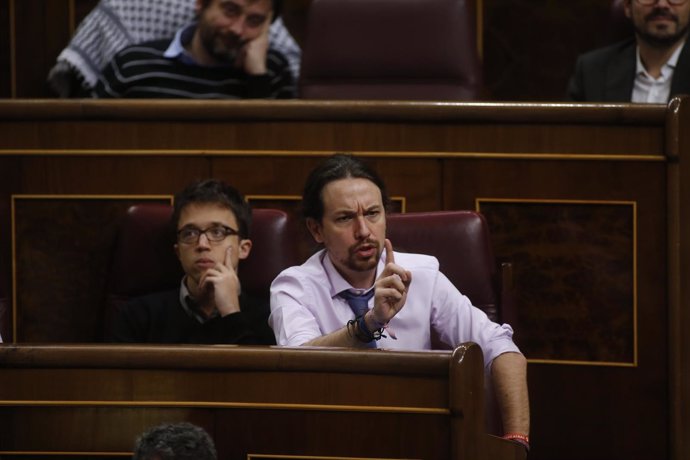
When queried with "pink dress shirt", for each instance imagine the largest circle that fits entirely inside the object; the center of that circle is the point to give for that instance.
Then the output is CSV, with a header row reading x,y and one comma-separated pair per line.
x,y
305,305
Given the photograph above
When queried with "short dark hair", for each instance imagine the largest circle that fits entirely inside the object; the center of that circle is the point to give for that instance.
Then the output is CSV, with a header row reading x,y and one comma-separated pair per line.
x,y
277,6
213,191
175,441
335,167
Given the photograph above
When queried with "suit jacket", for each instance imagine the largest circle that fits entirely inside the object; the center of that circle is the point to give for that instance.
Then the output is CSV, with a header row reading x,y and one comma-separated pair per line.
x,y
608,74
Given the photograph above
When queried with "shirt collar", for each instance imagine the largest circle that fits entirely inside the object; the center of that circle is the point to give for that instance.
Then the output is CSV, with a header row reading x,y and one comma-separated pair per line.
x,y
337,283
190,306
666,69
176,49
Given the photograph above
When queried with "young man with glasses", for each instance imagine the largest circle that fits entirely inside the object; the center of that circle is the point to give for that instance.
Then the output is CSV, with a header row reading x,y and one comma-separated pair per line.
x,y
650,67
211,221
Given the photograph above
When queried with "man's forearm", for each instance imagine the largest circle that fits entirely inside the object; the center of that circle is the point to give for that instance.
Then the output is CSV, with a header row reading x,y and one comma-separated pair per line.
x,y
509,373
343,337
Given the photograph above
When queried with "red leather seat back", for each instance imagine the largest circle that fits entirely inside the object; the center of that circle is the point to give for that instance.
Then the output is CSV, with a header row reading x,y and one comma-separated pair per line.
x,y
460,241
391,49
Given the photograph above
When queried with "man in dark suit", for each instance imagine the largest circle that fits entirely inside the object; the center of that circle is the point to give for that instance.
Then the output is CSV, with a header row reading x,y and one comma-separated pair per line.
x,y
651,67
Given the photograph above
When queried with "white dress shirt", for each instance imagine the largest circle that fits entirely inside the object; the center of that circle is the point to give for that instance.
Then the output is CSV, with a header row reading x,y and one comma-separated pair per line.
x,y
648,89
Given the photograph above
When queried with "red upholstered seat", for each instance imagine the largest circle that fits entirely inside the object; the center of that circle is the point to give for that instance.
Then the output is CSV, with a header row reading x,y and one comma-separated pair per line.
x,y
391,49
460,241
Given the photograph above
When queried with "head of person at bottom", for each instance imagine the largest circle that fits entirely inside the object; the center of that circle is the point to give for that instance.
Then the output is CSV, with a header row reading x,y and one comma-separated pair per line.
x,y
175,441
212,221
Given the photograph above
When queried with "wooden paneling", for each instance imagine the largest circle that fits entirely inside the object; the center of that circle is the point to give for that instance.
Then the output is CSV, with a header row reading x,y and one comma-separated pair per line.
x,y
41,31
6,43
268,401
607,181
523,62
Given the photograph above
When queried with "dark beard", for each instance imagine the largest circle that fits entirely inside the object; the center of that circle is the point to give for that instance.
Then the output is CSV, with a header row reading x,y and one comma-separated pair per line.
x,y
217,48
663,41
361,266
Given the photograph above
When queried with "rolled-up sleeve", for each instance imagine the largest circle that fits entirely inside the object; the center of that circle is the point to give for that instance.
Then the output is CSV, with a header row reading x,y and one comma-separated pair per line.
x,y
293,323
456,320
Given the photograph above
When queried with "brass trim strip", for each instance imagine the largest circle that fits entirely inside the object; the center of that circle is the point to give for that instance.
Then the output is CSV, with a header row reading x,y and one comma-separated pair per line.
x,y
15,197
477,201
303,153
273,197
229,405
583,363
401,199
40,196
477,205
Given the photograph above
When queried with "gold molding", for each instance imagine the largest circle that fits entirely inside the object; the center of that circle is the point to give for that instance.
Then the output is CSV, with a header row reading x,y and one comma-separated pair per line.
x,y
15,197
633,204
320,153
587,363
273,197
478,201
229,405
401,199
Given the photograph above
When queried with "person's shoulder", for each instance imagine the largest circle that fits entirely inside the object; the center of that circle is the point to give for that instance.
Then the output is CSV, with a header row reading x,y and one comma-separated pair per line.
x,y
312,270
605,53
155,301
413,261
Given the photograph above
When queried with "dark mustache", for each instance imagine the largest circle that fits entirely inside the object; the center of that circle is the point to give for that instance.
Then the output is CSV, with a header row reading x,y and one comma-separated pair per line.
x,y
355,248
659,13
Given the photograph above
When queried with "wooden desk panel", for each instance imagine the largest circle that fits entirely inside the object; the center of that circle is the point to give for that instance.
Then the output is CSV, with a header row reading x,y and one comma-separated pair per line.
x,y
254,400
438,156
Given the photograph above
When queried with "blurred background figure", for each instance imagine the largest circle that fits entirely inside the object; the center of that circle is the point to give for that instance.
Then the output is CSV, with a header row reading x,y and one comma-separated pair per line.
x,y
115,24
650,67
175,441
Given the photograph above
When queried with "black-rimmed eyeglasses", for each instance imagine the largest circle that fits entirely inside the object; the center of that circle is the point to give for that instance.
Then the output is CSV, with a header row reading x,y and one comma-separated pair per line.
x,y
215,234
652,2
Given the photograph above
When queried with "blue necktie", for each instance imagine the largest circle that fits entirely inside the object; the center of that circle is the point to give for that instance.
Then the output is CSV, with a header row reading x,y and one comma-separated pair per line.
x,y
359,305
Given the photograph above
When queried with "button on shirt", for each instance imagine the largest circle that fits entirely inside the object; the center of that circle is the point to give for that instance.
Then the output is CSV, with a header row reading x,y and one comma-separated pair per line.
x,y
305,305
648,89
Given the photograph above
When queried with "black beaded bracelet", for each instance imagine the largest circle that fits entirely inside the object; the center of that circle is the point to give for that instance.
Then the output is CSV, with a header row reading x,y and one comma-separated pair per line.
x,y
361,332
376,334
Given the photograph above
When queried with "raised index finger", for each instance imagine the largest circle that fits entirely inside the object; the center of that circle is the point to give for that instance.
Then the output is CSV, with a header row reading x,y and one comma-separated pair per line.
x,y
228,258
390,258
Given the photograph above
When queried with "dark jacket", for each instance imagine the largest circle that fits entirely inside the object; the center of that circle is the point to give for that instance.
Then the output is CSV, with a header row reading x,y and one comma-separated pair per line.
x,y
608,74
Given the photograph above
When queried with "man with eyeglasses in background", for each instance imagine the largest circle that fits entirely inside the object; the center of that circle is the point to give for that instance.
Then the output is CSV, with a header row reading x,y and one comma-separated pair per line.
x,y
651,67
212,221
